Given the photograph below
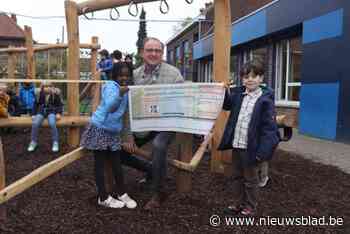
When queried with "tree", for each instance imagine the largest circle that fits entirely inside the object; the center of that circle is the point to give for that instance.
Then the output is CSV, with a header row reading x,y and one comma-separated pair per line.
x,y
177,28
141,35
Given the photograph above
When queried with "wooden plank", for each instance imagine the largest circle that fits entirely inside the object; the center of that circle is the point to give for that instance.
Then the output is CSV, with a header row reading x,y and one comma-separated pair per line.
x,y
73,66
65,121
96,5
222,46
96,91
40,174
3,214
30,53
184,178
8,80
48,47
11,64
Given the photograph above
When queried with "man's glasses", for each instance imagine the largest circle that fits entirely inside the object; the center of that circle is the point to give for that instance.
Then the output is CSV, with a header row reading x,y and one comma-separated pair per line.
x,y
158,51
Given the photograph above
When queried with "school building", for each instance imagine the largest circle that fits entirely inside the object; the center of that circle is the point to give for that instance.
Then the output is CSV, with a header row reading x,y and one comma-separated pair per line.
x,y
304,46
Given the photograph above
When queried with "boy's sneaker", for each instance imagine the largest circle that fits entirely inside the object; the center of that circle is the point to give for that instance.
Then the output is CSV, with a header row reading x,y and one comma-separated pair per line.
x,y
32,146
263,182
110,202
247,211
130,203
55,146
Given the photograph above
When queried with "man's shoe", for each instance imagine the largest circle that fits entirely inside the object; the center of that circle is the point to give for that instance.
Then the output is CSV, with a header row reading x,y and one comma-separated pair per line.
x,y
110,202
55,147
263,182
32,146
130,203
233,210
153,203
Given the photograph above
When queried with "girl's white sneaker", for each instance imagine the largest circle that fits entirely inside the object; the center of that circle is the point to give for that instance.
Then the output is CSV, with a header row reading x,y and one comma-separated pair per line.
x,y
130,203
111,203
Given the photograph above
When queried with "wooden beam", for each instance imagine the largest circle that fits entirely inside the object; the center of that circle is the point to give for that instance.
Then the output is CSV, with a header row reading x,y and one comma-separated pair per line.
x,y
3,214
48,80
222,46
65,121
184,178
96,91
30,53
40,174
48,47
11,64
96,5
73,66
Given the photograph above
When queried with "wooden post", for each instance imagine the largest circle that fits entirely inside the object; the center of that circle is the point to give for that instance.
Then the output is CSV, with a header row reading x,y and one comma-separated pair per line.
x,y
222,46
73,67
11,68
95,75
184,178
30,53
11,65
2,183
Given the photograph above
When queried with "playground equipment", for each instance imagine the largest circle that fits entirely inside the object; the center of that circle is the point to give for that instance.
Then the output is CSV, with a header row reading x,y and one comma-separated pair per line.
x,y
186,163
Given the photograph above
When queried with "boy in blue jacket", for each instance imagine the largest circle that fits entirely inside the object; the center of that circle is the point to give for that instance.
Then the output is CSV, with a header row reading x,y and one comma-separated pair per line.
x,y
251,131
27,97
105,65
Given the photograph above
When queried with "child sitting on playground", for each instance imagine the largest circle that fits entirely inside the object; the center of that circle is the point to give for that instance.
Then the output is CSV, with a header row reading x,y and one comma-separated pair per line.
x,y
4,101
27,97
251,131
103,136
49,105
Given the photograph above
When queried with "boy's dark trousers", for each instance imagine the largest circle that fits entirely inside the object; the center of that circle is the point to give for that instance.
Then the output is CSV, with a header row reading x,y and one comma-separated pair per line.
x,y
245,179
100,157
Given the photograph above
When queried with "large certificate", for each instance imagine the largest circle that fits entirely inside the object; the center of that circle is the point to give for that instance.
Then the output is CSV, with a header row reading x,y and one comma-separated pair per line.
x,y
187,107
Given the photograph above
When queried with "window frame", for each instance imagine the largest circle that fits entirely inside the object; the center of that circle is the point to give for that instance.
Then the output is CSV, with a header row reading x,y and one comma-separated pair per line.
x,y
279,78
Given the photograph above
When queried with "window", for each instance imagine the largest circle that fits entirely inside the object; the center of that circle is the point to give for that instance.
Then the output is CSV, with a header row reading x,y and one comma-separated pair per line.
x,y
288,70
261,54
171,57
234,69
178,57
186,60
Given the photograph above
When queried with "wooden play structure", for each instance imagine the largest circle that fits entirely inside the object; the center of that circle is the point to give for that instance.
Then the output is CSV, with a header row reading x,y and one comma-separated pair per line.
x,y
186,163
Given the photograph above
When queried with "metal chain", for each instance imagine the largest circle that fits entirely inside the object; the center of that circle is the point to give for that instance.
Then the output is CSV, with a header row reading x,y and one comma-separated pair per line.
x,y
132,3
161,7
111,14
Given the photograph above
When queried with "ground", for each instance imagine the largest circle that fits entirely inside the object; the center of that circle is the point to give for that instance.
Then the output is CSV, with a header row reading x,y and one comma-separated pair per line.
x,y
64,203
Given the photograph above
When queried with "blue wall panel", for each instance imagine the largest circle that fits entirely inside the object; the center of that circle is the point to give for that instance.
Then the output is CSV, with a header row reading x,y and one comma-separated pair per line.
x,y
286,13
249,29
326,26
203,47
319,110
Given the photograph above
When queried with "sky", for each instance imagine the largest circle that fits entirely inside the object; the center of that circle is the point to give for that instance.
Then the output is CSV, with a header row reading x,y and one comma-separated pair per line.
x,y
112,34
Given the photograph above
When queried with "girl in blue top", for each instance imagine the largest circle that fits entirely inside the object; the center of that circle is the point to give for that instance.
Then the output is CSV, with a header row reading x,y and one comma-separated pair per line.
x,y
103,136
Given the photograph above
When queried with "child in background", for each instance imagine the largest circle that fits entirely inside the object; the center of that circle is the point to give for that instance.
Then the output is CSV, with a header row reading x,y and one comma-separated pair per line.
x,y
251,131
27,97
103,136
4,101
49,106
117,56
105,65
